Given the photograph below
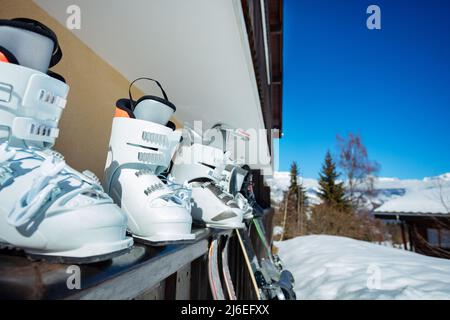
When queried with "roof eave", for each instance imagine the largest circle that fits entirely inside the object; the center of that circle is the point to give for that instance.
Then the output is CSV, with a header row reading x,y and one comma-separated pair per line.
x,y
267,54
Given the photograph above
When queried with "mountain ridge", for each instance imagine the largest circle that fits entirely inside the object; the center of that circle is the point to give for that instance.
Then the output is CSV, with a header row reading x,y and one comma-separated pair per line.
x,y
388,187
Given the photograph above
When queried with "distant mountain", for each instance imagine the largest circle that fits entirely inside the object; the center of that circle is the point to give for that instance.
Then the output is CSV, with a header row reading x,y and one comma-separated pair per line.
x,y
388,188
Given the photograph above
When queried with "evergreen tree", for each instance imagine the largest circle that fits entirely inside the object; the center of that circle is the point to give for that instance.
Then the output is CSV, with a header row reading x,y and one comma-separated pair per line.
x,y
293,187
302,207
330,191
294,206
296,188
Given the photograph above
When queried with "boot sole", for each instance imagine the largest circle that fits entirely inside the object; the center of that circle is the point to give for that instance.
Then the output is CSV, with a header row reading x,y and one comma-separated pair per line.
x,y
55,259
225,226
162,243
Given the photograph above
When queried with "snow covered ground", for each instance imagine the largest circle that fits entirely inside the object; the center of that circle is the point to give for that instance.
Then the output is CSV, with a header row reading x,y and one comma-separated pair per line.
x,y
328,267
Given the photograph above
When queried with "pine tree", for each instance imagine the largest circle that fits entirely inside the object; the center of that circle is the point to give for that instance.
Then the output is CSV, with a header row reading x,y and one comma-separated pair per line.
x,y
296,188
293,187
330,191
302,207
295,205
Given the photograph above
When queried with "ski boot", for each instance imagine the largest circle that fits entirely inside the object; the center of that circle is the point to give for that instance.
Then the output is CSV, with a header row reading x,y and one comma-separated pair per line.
x,y
47,209
205,169
235,171
142,144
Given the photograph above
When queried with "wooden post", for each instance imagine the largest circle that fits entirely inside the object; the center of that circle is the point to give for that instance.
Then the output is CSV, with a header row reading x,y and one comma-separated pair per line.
x,y
402,226
410,237
285,216
183,286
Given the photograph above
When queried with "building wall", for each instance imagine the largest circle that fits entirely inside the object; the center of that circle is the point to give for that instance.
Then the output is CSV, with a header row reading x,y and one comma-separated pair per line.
x,y
424,241
94,87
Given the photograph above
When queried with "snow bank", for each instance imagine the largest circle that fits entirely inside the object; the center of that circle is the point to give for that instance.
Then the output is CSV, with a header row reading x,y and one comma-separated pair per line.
x,y
328,267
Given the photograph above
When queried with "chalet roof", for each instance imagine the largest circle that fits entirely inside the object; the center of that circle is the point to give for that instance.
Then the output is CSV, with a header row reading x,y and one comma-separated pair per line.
x,y
423,202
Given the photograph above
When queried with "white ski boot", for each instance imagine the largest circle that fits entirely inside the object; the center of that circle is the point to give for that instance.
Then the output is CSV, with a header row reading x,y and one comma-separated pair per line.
x,y
213,177
47,209
142,144
234,142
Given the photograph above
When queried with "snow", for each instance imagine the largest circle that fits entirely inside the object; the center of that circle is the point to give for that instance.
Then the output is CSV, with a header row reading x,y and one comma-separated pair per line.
x,y
281,181
431,201
388,188
443,177
329,267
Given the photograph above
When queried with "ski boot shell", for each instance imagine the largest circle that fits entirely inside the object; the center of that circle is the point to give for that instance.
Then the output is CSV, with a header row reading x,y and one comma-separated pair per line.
x,y
48,209
203,168
31,104
209,198
233,143
140,151
133,165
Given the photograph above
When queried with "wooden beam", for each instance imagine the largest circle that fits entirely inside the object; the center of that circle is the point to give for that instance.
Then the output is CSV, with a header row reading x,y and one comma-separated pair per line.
x,y
402,226
271,97
183,286
412,246
135,282
276,30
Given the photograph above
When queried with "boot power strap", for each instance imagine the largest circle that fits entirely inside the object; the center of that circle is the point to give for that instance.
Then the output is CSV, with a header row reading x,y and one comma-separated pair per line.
x,y
31,103
144,142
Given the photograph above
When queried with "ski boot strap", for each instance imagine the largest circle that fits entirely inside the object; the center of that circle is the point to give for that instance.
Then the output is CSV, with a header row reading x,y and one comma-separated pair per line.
x,y
143,142
31,104
233,177
198,161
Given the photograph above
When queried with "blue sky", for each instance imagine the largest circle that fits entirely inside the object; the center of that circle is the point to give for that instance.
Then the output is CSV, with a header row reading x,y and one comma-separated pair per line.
x,y
392,86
